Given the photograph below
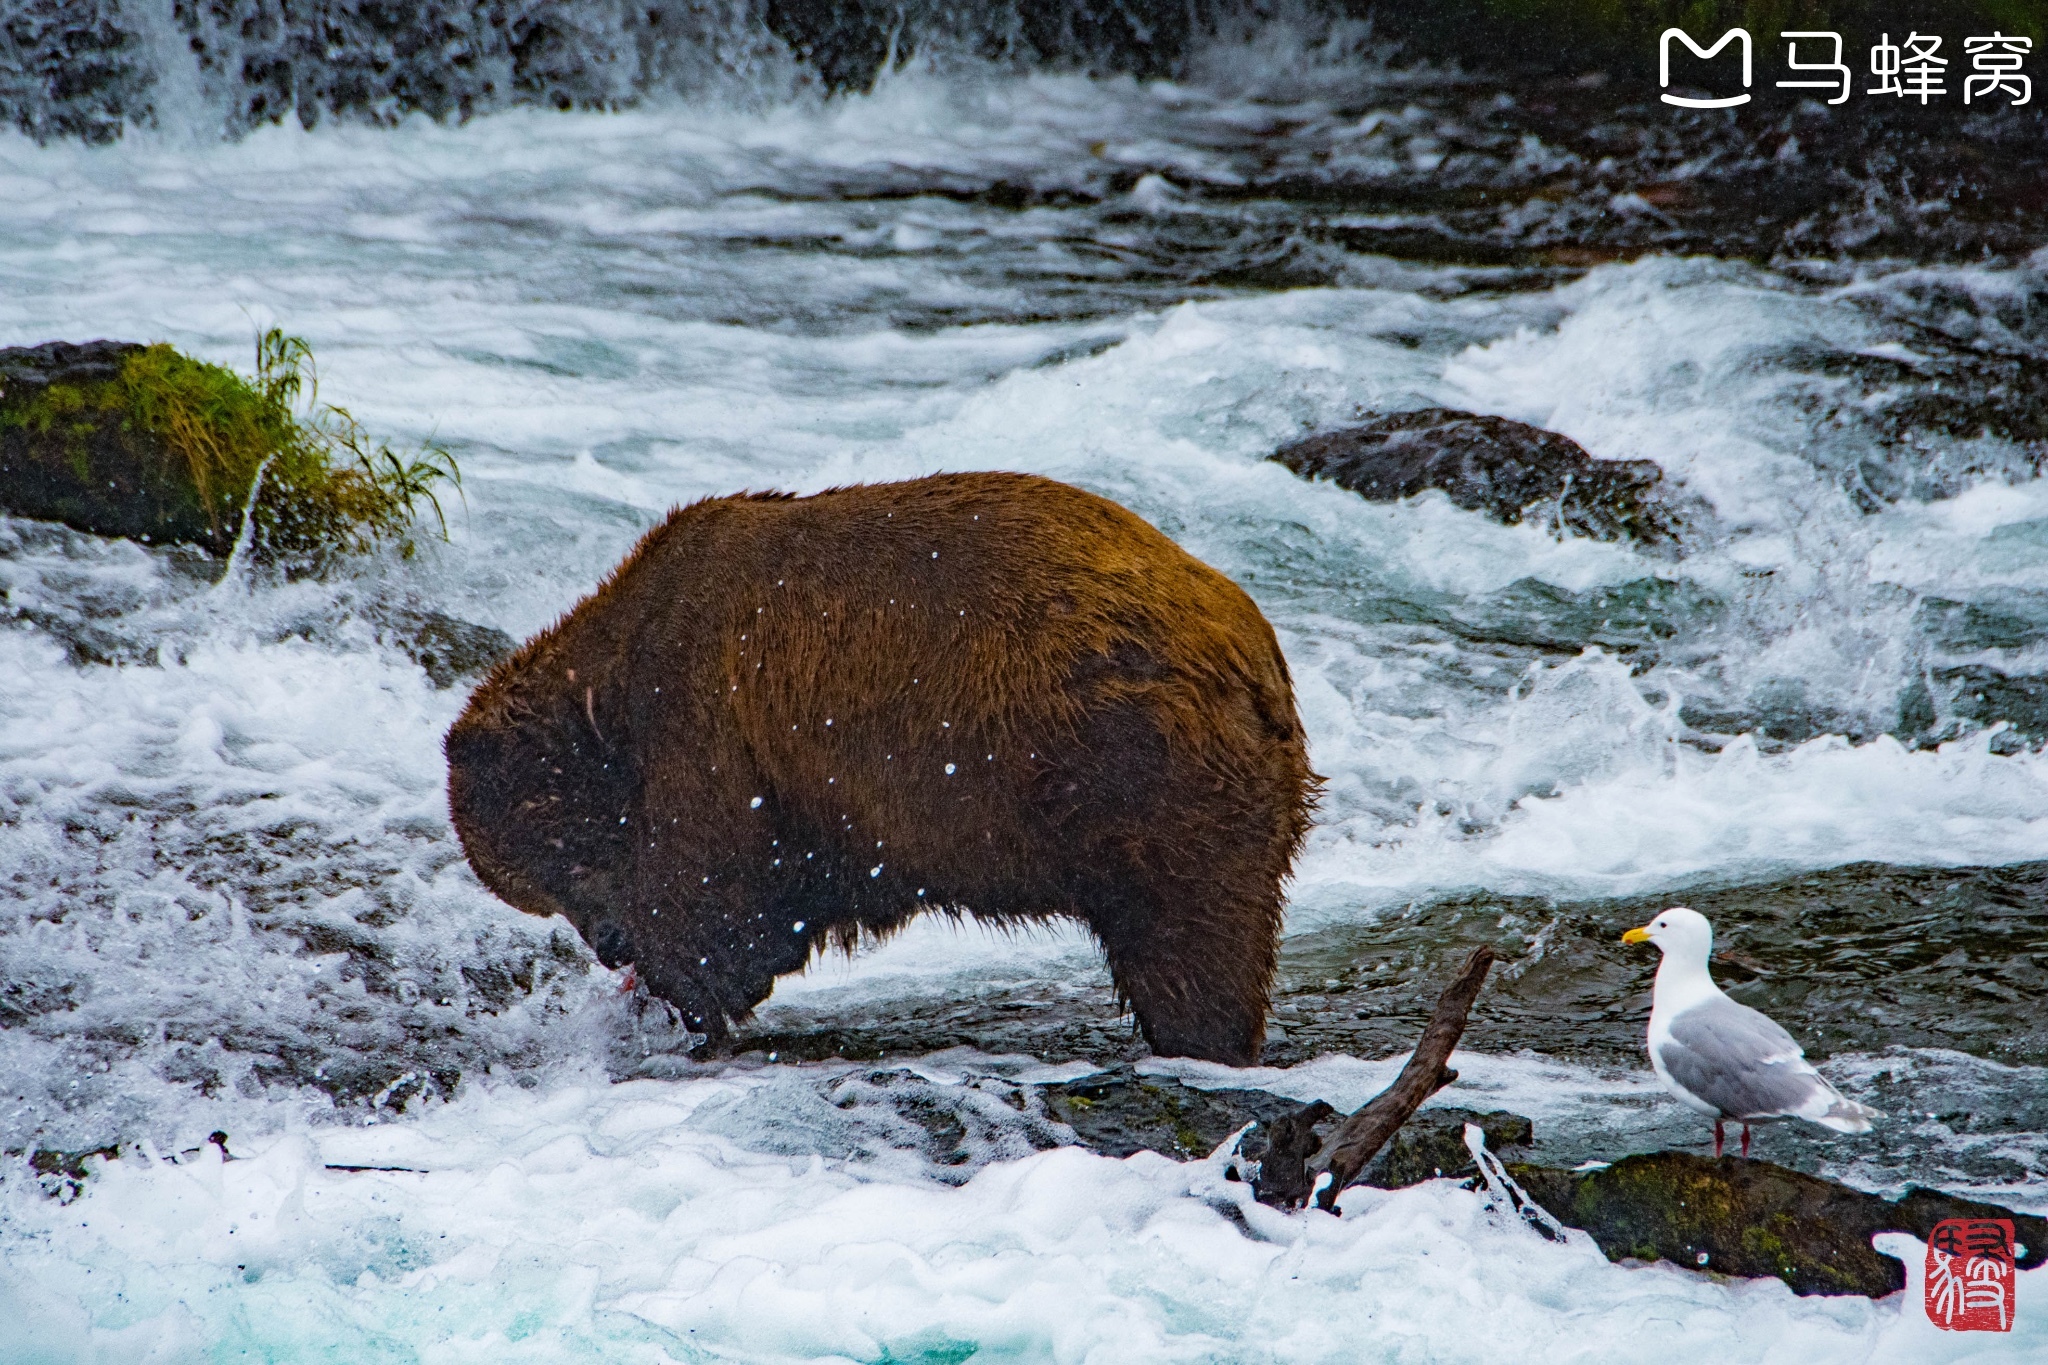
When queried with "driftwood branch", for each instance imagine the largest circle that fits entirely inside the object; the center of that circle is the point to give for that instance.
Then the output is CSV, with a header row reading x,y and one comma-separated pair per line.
x,y
1366,1131
1283,1179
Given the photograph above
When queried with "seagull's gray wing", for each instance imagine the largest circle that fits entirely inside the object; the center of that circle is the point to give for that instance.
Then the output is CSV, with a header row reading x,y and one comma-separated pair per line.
x,y
1739,1061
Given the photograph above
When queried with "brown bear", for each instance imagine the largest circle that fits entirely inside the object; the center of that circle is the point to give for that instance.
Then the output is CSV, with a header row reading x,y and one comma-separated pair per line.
x,y
783,722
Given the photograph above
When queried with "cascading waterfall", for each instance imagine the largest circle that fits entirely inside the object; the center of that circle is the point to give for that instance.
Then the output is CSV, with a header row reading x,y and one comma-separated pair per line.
x,y
90,68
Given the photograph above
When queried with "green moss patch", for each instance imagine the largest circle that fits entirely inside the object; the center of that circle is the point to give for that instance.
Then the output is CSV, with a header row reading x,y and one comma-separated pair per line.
x,y
142,441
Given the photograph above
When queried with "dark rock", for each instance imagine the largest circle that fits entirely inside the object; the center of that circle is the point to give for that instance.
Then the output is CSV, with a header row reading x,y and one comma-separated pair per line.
x,y
63,362
1117,1113
62,1175
1754,1219
1509,470
1431,1145
448,649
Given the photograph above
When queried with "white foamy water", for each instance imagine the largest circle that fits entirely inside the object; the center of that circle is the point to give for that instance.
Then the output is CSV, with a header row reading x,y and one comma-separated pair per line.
x,y
230,886
615,1222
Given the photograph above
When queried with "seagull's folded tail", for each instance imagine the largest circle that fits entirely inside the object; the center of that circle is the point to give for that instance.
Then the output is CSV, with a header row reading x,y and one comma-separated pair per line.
x,y
1842,1115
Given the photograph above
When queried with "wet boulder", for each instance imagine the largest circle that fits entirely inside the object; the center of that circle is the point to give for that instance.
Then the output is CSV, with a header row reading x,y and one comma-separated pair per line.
x,y
446,648
114,438
1431,1146
1753,1219
1510,471
69,453
1117,1112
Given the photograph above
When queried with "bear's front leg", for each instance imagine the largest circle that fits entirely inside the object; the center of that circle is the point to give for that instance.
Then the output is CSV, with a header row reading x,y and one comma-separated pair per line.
x,y
1198,976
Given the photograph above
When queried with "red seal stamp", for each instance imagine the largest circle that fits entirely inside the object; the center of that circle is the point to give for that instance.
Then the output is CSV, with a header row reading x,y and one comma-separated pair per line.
x,y
1971,1285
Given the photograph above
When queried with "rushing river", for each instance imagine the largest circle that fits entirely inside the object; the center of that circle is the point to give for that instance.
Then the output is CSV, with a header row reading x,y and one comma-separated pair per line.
x,y
230,898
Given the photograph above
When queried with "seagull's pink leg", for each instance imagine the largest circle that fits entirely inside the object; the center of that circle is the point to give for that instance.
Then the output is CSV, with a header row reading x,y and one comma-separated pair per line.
x,y
1717,1137
1745,1142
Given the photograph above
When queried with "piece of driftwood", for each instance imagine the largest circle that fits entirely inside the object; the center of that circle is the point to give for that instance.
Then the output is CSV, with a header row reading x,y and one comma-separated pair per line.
x,y
1367,1130
1283,1179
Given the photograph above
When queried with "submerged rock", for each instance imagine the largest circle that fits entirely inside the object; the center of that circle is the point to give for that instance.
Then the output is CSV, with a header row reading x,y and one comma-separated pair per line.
x,y
1754,1219
1118,1112
63,1175
1431,1146
1296,1150
1511,471
958,1128
447,648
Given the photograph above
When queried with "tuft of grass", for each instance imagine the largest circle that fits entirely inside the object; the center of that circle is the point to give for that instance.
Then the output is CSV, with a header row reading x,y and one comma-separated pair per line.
x,y
326,486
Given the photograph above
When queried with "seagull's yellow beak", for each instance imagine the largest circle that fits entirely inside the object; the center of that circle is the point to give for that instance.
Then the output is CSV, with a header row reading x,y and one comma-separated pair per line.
x,y
1636,936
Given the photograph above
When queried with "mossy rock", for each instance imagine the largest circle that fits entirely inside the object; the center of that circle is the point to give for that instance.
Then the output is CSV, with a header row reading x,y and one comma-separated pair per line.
x,y
121,439
1753,1219
66,455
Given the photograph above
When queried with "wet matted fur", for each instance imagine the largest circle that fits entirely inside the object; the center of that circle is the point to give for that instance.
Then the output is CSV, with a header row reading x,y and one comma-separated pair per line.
x,y
783,722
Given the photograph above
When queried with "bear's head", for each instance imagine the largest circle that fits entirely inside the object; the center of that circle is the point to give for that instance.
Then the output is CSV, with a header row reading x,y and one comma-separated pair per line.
x,y
544,805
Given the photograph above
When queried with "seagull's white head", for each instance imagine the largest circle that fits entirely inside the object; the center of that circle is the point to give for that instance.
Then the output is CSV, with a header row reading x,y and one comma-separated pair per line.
x,y
1680,933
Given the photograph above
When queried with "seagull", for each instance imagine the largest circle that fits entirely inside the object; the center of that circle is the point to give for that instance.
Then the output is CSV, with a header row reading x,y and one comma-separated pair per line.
x,y
1721,1057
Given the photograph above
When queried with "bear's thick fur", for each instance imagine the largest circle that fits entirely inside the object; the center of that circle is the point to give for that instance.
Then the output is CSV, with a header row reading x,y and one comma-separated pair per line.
x,y
784,721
